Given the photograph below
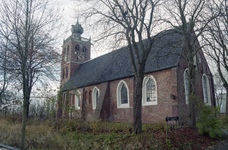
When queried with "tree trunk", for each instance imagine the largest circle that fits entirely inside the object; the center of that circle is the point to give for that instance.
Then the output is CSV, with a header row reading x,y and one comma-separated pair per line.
x,y
137,108
192,101
227,102
27,109
24,115
24,119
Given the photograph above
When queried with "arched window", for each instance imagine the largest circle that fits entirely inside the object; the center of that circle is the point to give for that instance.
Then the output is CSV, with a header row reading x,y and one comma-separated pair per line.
x,y
122,95
66,72
65,54
76,49
84,49
68,49
206,90
124,99
149,91
95,96
186,85
77,100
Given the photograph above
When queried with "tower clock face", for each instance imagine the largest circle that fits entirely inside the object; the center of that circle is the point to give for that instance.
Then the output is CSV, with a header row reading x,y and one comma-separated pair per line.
x,y
81,57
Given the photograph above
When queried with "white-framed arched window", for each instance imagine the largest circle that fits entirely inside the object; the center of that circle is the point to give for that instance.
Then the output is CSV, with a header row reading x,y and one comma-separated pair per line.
x,y
206,90
77,100
186,85
95,97
122,95
149,91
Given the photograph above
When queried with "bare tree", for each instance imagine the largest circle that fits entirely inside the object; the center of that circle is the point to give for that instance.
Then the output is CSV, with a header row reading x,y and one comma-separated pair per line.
x,y
28,26
190,17
4,79
216,39
219,92
129,22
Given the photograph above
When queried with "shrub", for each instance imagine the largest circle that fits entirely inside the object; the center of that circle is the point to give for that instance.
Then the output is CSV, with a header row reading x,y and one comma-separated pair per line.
x,y
208,122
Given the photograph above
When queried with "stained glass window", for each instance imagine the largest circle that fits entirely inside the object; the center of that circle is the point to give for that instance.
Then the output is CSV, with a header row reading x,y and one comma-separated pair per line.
x,y
150,90
124,99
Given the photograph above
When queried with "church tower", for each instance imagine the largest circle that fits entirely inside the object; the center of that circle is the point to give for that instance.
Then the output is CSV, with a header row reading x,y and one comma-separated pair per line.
x,y
75,50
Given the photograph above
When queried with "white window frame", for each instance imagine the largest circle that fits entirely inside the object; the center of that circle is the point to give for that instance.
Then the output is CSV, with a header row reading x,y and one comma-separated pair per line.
x,y
186,87
206,90
77,95
118,92
95,89
195,64
144,100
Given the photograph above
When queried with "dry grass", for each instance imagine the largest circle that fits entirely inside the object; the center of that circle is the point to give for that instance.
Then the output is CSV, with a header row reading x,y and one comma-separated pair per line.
x,y
65,134
75,134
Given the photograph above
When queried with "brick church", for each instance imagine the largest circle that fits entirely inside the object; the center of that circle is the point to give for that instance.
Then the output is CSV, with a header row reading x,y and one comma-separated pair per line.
x,y
105,85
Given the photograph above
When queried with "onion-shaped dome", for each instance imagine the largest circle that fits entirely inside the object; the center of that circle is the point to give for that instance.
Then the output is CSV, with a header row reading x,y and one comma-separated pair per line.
x,y
77,29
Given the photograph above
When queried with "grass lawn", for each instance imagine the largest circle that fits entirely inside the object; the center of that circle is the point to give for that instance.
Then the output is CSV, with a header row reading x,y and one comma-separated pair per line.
x,y
75,134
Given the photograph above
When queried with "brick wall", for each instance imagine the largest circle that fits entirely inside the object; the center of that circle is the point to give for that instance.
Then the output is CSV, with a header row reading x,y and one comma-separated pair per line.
x,y
166,84
202,68
169,81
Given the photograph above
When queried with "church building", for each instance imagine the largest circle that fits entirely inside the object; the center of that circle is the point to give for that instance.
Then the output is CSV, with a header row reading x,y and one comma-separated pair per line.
x,y
105,85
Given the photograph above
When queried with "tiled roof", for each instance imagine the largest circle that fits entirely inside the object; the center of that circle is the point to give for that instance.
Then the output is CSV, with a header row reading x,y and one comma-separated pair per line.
x,y
116,64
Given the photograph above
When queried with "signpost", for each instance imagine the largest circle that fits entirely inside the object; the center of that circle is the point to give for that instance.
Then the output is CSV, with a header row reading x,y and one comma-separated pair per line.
x,y
171,119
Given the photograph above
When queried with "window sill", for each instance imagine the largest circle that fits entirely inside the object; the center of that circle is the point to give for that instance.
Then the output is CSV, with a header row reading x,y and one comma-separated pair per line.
x,y
77,108
123,106
150,103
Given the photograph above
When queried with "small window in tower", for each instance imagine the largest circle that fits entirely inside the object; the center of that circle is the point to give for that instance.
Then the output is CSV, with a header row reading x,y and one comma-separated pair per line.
x,y
84,49
76,49
68,47
65,55
66,72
